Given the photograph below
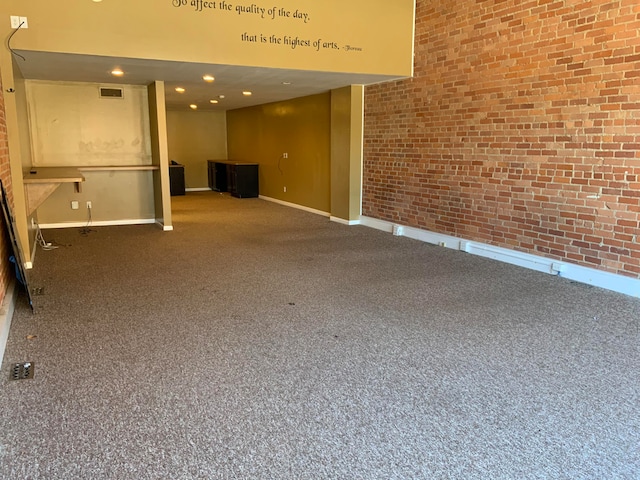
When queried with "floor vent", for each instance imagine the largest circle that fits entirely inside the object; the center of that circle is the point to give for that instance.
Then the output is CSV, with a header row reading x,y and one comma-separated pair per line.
x,y
22,371
37,291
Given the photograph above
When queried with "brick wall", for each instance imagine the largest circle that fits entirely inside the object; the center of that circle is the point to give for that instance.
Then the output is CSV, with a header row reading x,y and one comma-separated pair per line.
x,y
5,247
520,128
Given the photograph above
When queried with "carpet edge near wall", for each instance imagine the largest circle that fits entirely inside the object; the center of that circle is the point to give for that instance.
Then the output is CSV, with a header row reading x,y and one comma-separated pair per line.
x,y
589,276
6,315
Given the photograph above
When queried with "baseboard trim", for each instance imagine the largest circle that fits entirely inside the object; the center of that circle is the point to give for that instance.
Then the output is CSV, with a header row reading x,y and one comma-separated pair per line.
x,y
343,221
34,248
199,189
106,223
590,276
295,205
6,315
165,228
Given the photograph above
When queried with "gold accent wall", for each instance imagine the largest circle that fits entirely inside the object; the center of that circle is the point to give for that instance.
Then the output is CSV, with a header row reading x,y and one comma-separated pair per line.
x,y
301,128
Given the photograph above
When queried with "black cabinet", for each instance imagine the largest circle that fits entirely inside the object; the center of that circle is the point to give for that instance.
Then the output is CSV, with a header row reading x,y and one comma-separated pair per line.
x,y
176,180
238,178
242,179
217,175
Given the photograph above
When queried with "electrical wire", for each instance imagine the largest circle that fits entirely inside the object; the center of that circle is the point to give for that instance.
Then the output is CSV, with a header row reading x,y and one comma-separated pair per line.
x,y
42,242
86,230
9,43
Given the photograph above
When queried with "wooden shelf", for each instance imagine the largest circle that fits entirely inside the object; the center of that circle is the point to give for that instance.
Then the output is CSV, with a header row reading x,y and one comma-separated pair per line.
x,y
40,182
52,175
118,168
97,168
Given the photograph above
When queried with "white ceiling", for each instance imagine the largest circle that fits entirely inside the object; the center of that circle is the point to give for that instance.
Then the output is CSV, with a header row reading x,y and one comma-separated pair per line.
x,y
267,84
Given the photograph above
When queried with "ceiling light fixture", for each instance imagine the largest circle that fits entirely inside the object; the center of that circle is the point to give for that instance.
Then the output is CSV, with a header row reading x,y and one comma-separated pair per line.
x,y
213,101
208,78
116,72
247,93
286,83
220,96
180,90
193,106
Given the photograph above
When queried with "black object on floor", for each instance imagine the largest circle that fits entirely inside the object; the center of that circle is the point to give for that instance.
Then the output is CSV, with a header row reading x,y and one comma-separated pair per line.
x,y
18,256
176,179
238,178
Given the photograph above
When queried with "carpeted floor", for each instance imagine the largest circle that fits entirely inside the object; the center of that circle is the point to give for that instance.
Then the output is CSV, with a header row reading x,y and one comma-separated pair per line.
x,y
261,342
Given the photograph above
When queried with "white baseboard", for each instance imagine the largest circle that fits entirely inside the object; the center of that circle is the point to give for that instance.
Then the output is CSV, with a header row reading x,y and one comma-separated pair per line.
x,y
295,205
34,248
199,189
343,221
6,315
107,223
591,276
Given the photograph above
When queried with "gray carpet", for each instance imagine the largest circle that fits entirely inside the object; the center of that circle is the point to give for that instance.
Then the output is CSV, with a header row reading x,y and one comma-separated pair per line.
x,y
262,342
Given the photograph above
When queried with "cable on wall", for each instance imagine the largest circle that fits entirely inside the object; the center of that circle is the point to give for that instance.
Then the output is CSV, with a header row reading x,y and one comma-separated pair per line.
x,y
9,43
86,230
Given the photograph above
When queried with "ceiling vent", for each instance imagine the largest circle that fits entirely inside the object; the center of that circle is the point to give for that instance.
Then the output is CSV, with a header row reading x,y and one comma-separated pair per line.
x,y
107,92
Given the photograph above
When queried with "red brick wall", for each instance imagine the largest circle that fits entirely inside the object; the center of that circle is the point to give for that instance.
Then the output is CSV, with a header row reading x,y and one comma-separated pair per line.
x,y
520,128
5,247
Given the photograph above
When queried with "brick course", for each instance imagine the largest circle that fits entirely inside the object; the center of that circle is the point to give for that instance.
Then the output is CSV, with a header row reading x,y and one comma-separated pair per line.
x,y
520,128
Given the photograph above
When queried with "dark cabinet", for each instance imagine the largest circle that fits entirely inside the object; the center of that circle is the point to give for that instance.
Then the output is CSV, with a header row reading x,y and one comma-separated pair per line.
x,y
217,175
238,178
242,179
176,179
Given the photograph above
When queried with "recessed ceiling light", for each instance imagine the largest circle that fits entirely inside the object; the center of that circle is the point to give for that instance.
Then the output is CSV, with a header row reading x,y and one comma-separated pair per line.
x,y
247,93
116,72
213,101
180,90
193,106
220,96
208,78
286,83
97,1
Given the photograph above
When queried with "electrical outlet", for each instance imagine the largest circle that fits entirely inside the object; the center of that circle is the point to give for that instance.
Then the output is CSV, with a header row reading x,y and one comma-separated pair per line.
x,y
285,155
285,189
75,205
88,204
19,22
